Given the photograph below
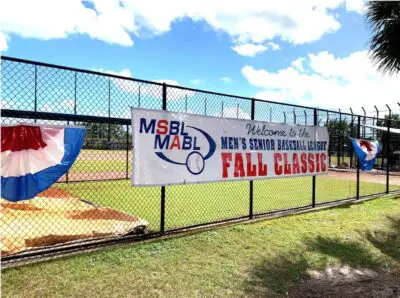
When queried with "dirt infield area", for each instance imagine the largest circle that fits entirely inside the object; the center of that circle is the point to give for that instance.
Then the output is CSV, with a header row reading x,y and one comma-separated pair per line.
x,y
54,216
344,281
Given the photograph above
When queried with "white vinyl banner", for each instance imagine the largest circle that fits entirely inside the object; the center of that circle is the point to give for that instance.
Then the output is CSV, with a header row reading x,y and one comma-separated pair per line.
x,y
179,148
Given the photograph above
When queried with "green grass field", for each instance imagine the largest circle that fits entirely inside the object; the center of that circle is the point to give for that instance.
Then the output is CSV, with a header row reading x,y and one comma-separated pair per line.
x,y
96,166
200,203
259,259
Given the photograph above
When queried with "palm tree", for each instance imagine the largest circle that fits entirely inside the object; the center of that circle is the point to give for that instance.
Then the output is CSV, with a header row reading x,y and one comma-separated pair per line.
x,y
383,18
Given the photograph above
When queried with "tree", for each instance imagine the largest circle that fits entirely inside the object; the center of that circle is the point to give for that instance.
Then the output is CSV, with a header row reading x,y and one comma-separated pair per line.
x,y
104,136
338,127
383,18
394,121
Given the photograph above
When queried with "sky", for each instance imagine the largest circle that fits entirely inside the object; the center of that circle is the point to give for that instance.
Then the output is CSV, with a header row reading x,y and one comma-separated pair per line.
x,y
309,52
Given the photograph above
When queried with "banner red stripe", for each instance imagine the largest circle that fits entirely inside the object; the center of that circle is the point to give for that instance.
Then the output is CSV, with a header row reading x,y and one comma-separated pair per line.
x,y
21,137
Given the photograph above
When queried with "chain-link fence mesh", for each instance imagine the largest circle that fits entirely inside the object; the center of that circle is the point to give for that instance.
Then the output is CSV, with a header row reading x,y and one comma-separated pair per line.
x,y
95,198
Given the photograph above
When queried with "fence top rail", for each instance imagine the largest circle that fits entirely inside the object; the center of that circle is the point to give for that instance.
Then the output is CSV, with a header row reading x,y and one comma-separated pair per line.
x,y
14,59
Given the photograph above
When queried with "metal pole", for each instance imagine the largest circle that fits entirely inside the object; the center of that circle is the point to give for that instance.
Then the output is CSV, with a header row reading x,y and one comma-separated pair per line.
x,y
205,106
358,162
75,89
305,117
35,99
251,181
162,211
339,139
139,97
294,116
349,145
185,103
376,133
109,111
237,111
284,115
329,147
388,150
127,151
270,114
364,122
314,177
67,174
222,109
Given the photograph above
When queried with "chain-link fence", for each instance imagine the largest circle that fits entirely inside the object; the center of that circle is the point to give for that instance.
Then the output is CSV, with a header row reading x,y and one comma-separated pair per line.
x,y
95,200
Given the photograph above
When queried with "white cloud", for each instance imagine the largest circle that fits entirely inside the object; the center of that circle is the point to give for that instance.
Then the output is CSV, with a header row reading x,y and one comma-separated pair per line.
x,y
249,49
124,73
196,81
355,5
118,21
326,81
298,64
168,82
130,86
226,79
3,42
273,46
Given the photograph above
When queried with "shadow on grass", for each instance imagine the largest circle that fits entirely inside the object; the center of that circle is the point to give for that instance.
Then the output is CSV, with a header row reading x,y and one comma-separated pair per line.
x,y
350,253
387,241
272,277
275,276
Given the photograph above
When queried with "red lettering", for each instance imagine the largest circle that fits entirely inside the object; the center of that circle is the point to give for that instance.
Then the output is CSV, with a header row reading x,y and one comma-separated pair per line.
x,y
323,162
317,162
278,167
303,158
262,168
239,167
226,158
251,169
162,127
175,143
287,167
296,167
311,162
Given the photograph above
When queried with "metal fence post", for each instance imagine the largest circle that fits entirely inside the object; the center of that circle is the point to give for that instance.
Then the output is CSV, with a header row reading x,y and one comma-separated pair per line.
x,y
349,140
139,96
339,138
314,177
35,98
75,90
109,112
388,150
162,211
358,162
251,181
127,151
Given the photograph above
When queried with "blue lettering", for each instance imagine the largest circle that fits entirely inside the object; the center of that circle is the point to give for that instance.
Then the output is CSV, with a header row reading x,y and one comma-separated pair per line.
x,y
183,133
244,145
148,128
187,143
195,147
224,143
174,128
230,143
159,143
